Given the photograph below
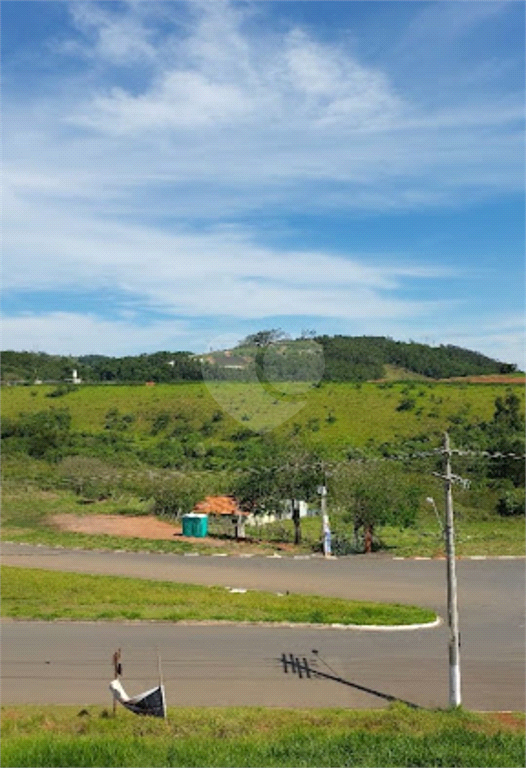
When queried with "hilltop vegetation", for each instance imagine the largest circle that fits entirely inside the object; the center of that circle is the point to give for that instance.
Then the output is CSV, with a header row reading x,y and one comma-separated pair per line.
x,y
345,358
364,358
160,366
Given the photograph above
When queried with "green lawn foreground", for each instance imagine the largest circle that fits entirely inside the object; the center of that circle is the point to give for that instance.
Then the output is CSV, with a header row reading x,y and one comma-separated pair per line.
x,y
33,593
256,736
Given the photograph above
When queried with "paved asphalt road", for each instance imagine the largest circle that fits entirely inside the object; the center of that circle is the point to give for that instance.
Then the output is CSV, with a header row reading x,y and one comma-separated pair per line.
x,y
64,662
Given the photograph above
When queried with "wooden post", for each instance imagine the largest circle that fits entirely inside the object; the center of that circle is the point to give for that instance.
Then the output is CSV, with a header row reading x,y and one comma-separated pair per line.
x,y
297,521
117,671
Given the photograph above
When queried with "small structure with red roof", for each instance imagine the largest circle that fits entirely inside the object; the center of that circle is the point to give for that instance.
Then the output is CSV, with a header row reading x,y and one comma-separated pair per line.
x,y
224,506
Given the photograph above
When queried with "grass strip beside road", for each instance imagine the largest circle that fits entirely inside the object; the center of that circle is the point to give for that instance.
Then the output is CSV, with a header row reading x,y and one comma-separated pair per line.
x,y
32,593
255,736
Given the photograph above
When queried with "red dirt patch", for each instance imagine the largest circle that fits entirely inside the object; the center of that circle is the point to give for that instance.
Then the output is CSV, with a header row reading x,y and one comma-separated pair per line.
x,y
144,527
511,720
494,378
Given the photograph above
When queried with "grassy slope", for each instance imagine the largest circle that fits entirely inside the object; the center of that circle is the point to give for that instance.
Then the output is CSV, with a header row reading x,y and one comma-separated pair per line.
x,y
254,736
335,415
33,593
361,412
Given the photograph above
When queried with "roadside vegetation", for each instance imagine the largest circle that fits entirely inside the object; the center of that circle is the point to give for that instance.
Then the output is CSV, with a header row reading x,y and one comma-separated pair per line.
x,y
28,512
254,736
33,593
139,450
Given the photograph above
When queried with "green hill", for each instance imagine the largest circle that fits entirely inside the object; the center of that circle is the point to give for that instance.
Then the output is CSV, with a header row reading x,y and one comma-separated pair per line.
x,y
194,422
342,358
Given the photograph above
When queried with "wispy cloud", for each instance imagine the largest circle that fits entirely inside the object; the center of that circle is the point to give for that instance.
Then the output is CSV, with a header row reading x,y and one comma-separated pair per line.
x,y
218,272
74,333
226,122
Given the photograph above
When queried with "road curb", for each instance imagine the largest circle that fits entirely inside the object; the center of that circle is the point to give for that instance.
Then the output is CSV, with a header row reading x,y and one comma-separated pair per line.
x,y
274,556
305,625
220,623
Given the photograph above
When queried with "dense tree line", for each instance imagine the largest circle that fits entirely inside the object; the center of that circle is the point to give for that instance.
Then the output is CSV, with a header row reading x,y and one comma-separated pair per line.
x,y
345,358
30,366
158,367
362,358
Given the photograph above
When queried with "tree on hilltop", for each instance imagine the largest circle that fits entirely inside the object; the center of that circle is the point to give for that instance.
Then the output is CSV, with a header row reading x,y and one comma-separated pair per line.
x,y
264,338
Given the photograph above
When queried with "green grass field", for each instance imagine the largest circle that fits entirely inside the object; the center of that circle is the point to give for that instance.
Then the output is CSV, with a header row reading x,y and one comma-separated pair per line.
x,y
254,736
32,593
335,414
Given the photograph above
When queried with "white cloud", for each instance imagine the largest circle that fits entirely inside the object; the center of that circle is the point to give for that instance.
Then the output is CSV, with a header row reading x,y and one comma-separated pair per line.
x,y
227,122
118,38
223,76
219,272
64,333
180,100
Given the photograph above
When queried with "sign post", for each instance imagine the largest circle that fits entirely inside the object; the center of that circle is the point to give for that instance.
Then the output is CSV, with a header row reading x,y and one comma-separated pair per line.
x,y
117,671
326,531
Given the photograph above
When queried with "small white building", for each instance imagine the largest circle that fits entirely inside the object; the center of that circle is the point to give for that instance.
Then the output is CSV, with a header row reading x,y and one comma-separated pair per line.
x,y
284,514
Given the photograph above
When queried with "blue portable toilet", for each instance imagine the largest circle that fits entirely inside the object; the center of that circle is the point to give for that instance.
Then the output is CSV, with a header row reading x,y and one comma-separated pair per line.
x,y
195,525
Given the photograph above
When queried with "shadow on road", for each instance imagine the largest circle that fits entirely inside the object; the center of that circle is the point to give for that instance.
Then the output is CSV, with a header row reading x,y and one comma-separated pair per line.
x,y
300,666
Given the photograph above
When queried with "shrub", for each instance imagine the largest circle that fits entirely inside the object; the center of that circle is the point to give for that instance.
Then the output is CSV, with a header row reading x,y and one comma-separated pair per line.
x,y
177,495
407,404
167,453
43,434
118,421
344,544
511,503
88,476
61,390
160,423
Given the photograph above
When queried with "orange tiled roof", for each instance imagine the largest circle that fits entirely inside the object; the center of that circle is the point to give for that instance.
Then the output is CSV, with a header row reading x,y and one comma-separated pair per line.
x,y
218,505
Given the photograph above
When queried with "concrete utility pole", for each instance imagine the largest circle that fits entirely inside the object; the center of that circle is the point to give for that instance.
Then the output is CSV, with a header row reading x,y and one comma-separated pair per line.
x,y
452,605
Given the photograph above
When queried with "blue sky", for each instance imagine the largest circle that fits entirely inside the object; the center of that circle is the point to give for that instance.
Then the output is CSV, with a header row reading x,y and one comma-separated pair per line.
x,y
176,174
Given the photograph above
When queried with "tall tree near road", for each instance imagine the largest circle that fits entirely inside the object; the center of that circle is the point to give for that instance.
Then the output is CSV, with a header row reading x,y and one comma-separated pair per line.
x,y
374,494
278,474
